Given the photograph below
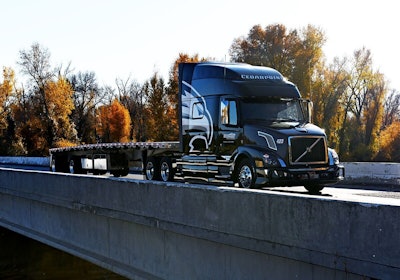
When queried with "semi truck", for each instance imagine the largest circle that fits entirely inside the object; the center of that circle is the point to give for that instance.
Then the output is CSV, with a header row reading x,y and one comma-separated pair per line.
x,y
239,125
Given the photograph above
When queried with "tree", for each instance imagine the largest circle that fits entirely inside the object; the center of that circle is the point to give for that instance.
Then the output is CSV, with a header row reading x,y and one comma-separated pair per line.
x,y
390,143
328,90
6,91
173,90
46,115
159,123
9,141
114,122
132,97
294,53
363,103
392,108
86,96
58,97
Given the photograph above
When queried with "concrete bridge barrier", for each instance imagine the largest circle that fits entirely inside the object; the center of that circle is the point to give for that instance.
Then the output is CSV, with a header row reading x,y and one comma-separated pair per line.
x,y
372,172
147,230
356,172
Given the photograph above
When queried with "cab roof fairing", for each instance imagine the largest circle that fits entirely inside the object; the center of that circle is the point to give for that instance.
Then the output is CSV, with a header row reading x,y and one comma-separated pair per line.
x,y
241,80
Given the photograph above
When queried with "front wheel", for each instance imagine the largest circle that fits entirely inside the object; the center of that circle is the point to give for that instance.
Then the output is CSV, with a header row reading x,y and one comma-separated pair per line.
x,y
246,176
314,188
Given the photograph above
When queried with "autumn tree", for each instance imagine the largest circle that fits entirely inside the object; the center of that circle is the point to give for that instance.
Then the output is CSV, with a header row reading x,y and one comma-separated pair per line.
x,y
391,108
113,122
172,89
131,95
47,101
363,103
328,90
58,97
87,95
9,141
390,143
294,53
159,113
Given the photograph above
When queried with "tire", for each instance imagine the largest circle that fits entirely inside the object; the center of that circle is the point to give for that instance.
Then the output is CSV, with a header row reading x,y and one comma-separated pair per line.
x,y
246,175
152,169
166,170
314,189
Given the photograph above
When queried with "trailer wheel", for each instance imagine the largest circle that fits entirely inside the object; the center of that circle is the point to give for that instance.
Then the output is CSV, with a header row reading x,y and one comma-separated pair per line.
x,y
166,170
246,174
152,170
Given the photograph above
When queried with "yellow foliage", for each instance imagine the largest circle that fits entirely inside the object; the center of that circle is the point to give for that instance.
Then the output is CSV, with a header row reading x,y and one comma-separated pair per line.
x,y
6,90
390,143
64,143
59,97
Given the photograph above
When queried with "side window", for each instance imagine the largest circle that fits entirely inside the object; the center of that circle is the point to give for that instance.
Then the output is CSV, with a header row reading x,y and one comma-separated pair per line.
x,y
228,112
198,110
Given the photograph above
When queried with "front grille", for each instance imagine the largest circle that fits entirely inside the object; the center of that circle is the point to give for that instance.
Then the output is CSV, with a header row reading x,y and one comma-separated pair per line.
x,y
307,150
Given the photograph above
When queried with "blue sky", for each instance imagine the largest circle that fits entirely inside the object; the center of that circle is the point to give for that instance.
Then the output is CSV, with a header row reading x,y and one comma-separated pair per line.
x,y
129,38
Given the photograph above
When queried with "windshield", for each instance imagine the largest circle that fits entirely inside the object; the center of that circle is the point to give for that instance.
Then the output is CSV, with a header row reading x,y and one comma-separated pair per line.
x,y
274,110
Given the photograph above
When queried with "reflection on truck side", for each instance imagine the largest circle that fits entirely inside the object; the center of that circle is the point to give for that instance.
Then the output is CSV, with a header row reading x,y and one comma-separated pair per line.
x,y
196,119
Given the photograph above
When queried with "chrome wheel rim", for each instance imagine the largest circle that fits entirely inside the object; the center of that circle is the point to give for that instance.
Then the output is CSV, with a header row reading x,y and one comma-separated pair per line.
x,y
150,170
164,171
245,177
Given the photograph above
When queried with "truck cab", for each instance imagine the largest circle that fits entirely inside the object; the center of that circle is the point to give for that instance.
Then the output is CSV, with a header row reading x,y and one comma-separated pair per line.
x,y
249,126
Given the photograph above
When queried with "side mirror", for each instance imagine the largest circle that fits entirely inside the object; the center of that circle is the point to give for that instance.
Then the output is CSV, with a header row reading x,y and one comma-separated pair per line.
x,y
307,108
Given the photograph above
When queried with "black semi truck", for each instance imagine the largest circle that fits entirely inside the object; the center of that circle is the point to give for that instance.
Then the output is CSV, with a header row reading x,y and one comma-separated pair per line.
x,y
240,125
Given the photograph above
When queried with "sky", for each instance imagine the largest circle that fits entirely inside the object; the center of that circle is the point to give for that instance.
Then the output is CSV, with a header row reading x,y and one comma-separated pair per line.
x,y
131,39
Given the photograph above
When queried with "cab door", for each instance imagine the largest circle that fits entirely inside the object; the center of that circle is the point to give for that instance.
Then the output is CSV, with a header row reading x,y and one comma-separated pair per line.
x,y
229,133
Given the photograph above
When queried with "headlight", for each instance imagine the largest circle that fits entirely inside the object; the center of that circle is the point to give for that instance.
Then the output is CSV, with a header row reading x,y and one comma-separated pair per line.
x,y
270,160
333,156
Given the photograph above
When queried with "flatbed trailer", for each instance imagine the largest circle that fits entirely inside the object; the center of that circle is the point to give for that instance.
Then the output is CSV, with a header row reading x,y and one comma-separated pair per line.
x,y
115,158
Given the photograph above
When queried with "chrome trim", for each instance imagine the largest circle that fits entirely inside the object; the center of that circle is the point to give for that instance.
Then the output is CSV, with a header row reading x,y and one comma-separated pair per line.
x,y
308,150
269,139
